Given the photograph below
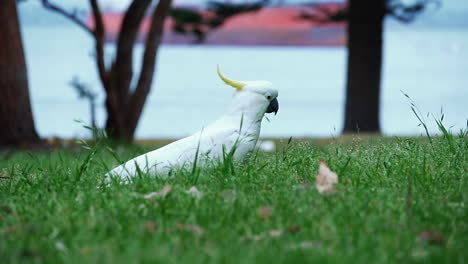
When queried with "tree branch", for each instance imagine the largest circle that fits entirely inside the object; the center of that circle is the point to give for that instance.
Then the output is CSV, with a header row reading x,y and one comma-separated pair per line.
x,y
122,68
153,40
72,16
407,13
324,14
304,15
99,35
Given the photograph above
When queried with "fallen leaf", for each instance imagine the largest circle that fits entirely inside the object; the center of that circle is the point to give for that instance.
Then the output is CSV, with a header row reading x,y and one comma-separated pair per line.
x,y
180,226
306,245
294,229
263,235
326,179
194,192
11,230
257,237
432,237
276,233
264,212
85,251
6,209
151,226
151,195
163,193
5,176
228,194
197,230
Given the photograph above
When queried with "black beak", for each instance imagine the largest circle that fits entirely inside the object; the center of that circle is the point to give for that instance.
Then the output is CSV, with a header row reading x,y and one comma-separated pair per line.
x,y
273,107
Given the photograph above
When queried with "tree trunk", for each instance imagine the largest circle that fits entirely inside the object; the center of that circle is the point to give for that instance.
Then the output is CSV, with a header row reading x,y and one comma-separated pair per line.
x,y
17,124
153,40
365,32
124,105
122,123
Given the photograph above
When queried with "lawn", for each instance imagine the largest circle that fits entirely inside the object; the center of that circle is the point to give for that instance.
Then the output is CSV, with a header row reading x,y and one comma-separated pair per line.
x,y
398,200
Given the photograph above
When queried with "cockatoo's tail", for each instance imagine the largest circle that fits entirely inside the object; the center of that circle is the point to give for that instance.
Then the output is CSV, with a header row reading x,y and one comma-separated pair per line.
x,y
237,131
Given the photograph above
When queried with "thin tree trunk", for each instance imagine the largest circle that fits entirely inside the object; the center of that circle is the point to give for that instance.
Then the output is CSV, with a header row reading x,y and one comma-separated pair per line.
x,y
122,126
153,40
124,105
17,125
365,32
122,72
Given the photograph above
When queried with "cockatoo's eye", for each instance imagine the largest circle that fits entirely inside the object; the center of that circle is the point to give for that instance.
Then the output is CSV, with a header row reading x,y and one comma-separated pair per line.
x,y
268,97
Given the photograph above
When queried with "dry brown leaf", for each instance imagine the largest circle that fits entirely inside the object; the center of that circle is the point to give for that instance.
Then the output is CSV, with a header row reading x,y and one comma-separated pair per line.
x,y
294,229
195,229
163,193
228,195
326,179
85,251
180,226
257,237
432,237
264,212
194,192
151,195
275,233
166,190
151,226
11,230
6,209
4,175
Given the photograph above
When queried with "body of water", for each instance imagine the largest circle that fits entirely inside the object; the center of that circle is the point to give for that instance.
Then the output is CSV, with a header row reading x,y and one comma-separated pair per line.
x,y
431,65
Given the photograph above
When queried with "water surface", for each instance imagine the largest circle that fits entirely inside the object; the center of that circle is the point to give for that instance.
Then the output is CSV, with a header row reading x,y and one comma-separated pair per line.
x,y
429,64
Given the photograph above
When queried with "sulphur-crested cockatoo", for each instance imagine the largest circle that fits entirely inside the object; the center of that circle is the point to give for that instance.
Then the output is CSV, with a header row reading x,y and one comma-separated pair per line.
x,y
237,131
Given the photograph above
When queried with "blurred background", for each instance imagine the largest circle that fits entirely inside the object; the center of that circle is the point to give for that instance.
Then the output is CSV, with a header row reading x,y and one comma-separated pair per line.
x,y
299,45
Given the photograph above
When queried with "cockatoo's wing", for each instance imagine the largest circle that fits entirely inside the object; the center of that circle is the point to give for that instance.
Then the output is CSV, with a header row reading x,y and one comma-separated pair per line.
x,y
208,144
159,161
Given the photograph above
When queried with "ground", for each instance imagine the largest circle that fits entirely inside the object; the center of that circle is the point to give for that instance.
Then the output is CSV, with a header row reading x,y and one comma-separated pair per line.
x,y
397,200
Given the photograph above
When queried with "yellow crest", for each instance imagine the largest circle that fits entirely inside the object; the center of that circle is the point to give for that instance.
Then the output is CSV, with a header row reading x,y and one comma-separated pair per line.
x,y
235,84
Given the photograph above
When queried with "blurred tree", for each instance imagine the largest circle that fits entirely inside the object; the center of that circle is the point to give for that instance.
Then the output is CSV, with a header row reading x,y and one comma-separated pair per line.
x,y
124,102
365,31
201,22
17,124
365,37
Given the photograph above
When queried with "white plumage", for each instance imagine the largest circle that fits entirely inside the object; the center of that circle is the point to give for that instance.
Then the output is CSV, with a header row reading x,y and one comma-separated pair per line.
x,y
239,127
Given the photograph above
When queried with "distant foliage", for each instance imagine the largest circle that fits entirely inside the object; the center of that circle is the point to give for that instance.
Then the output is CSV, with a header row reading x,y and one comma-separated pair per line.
x,y
200,23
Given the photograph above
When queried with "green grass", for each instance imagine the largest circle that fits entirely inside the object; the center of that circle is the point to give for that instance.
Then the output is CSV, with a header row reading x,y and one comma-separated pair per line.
x,y
266,210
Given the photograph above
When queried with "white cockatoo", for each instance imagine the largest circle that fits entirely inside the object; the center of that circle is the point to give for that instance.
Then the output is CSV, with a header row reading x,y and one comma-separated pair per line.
x,y
237,131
